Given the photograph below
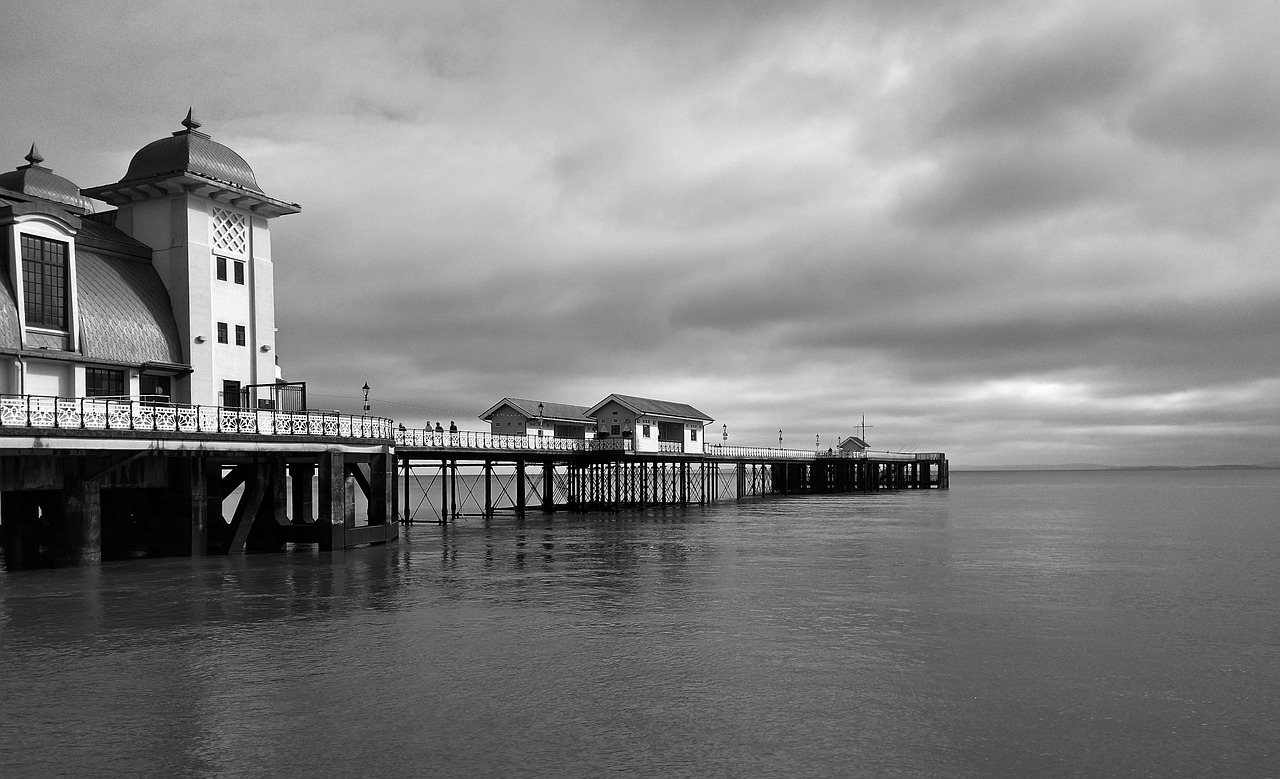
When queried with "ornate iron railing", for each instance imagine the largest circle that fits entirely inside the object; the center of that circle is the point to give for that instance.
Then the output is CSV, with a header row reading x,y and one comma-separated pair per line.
x,y
768,453
471,439
39,412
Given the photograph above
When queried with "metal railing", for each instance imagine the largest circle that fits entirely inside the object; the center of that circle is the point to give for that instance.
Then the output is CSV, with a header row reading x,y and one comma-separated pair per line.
x,y
472,440
40,412
768,453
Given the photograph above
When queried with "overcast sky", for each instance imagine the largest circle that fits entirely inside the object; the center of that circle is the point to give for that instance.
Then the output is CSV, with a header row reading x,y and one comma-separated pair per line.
x,y
1039,232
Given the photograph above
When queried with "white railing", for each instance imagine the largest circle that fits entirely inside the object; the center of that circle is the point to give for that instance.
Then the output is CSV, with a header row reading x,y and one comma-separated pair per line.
x,y
757,453
472,439
40,412
768,453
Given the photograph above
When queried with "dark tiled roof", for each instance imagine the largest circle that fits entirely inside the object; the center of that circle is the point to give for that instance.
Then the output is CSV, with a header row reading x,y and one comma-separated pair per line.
x,y
552,411
97,234
125,314
35,180
190,151
662,408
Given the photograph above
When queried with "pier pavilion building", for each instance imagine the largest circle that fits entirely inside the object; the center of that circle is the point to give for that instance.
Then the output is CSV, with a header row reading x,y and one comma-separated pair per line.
x,y
170,294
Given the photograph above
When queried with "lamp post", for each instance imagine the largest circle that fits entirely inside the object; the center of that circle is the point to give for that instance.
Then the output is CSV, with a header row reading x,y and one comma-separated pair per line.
x,y
539,420
724,434
366,397
817,441
779,438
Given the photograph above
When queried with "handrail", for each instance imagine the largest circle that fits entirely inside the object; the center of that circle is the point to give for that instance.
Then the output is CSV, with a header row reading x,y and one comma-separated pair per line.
x,y
473,439
769,453
44,412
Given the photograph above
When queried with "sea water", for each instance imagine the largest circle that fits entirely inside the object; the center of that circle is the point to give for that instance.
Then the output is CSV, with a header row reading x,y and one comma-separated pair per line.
x,y
1117,623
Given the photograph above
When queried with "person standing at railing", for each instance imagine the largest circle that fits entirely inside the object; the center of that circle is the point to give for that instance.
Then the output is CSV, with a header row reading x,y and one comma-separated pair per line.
x,y
439,435
453,434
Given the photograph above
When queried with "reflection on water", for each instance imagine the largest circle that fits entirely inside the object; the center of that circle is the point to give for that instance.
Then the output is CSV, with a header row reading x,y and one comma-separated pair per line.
x,y
1017,625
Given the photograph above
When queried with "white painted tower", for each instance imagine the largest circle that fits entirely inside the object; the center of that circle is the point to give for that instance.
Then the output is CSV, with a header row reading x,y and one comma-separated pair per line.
x,y
198,206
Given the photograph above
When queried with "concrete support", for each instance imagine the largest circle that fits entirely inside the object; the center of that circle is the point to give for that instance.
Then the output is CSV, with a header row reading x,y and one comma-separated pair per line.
x,y
381,479
188,495
80,517
330,524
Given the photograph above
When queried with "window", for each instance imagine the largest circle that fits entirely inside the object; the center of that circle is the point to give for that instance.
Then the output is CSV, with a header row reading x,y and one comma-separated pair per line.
x,y
103,381
614,429
693,434
231,394
645,430
155,387
239,266
239,335
222,332
44,282
222,269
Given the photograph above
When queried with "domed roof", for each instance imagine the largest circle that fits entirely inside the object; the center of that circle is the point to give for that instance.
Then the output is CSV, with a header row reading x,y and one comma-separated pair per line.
x,y
191,151
38,181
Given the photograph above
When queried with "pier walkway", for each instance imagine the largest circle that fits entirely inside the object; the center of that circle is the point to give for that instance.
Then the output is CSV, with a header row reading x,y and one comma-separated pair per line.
x,y
463,472
86,479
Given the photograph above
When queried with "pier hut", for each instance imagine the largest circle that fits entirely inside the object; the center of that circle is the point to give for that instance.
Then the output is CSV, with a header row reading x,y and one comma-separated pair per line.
x,y
517,416
852,444
651,425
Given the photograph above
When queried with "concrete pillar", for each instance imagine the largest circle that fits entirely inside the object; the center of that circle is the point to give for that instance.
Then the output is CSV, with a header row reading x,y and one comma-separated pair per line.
x,y
330,524
381,479
188,495
80,517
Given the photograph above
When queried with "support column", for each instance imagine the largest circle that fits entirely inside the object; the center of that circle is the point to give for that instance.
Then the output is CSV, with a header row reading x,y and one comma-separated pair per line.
x,y
520,496
381,481
188,495
80,510
548,487
331,531
488,488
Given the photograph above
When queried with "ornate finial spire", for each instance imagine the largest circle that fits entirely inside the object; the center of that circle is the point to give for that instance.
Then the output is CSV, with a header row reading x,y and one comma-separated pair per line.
x,y
33,156
190,122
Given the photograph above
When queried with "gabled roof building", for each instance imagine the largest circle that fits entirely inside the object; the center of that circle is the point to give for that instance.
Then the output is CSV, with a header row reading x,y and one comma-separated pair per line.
x,y
518,416
652,425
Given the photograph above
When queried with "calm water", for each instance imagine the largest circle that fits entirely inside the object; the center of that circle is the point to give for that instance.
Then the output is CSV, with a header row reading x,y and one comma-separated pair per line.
x,y
1043,624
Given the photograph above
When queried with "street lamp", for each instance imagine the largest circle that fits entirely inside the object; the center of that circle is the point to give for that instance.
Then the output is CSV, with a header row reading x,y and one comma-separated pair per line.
x,y
724,434
366,397
817,441
779,438
539,420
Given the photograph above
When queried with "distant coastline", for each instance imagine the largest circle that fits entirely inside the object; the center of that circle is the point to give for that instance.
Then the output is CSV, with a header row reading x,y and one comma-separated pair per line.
x,y
1100,467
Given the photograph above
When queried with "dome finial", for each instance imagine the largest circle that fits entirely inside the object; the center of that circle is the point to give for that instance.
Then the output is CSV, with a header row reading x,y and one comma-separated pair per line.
x,y
190,122
33,156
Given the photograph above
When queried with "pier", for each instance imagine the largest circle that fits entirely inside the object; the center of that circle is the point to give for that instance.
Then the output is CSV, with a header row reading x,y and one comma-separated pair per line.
x,y
517,474
88,479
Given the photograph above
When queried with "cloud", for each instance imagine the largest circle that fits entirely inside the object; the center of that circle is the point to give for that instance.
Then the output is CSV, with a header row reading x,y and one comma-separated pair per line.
x,y
1013,232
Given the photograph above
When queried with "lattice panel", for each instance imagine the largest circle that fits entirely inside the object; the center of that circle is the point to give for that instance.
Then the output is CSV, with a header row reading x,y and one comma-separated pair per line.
x,y
230,233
